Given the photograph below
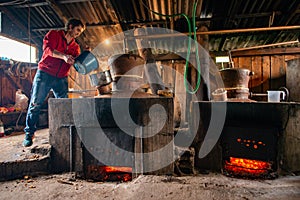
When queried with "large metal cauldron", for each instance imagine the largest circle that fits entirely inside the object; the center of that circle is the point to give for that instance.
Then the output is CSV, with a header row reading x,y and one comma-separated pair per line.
x,y
236,82
126,71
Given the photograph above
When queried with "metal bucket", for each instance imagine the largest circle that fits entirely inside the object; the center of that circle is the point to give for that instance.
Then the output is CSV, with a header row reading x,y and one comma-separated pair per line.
x,y
86,62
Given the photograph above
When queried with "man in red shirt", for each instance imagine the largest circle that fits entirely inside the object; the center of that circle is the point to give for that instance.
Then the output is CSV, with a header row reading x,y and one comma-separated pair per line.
x,y
59,52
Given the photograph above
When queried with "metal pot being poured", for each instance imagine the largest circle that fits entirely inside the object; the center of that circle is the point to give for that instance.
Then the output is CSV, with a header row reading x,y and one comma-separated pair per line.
x,y
85,63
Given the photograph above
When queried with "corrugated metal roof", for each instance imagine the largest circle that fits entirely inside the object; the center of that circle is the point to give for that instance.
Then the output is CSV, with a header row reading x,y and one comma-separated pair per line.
x,y
106,18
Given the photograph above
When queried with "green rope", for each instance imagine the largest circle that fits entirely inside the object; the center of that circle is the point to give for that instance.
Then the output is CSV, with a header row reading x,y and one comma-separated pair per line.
x,y
197,57
189,46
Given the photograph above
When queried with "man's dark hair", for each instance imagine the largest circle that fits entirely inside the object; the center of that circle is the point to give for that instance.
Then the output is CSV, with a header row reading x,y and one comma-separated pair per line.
x,y
74,22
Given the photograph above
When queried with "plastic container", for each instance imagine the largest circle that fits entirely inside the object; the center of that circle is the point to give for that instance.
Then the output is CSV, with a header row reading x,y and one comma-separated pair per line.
x,y
275,96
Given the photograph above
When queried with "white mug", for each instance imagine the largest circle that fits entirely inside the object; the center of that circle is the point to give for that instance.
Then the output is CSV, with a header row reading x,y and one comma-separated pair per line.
x,y
275,96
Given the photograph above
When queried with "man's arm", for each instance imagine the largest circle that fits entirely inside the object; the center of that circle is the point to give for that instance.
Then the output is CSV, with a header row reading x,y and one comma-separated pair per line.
x,y
67,58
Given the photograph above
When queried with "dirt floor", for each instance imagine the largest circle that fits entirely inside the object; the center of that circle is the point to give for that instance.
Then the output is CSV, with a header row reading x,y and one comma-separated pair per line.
x,y
145,187
13,149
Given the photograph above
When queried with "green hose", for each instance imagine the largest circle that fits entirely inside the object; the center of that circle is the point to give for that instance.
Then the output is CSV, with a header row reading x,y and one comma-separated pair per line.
x,y
189,46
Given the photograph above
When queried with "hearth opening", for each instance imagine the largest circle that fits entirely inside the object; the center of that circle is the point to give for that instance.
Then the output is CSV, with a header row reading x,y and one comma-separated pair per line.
x,y
111,160
249,152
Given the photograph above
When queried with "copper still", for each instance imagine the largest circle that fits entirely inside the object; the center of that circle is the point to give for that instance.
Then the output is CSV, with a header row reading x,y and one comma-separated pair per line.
x,y
126,72
236,82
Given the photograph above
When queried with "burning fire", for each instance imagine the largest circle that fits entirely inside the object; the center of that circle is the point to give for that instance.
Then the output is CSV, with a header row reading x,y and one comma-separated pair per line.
x,y
111,169
110,173
247,167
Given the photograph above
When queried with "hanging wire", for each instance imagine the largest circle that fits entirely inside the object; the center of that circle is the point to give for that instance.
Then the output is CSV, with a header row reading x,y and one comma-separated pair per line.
x,y
189,45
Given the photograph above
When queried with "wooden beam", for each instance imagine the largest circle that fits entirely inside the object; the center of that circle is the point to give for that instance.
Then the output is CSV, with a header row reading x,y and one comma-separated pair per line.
x,y
276,51
88,26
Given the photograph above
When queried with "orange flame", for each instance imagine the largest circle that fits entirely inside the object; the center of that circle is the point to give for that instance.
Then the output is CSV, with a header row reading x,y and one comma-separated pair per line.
x,y
110,173
241,166
112,169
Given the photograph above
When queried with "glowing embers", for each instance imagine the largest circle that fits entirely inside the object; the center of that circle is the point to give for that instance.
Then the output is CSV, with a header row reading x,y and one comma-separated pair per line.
x,y
109,173
251,143
248,168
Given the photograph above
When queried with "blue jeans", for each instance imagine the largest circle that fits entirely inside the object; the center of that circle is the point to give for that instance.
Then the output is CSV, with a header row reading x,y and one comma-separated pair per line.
x,y
41,86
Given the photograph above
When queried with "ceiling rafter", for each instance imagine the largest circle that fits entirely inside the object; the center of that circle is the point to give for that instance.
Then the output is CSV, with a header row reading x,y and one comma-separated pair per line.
x,y
46,3
58,11
117,14
230,23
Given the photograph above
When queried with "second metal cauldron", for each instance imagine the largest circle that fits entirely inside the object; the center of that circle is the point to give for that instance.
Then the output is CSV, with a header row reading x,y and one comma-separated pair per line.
x,y
236,82
235,77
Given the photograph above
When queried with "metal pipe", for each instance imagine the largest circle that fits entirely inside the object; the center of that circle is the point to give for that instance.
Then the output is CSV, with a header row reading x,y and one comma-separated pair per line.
x,y
216,32
266,45
277,28
258,95
81,91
